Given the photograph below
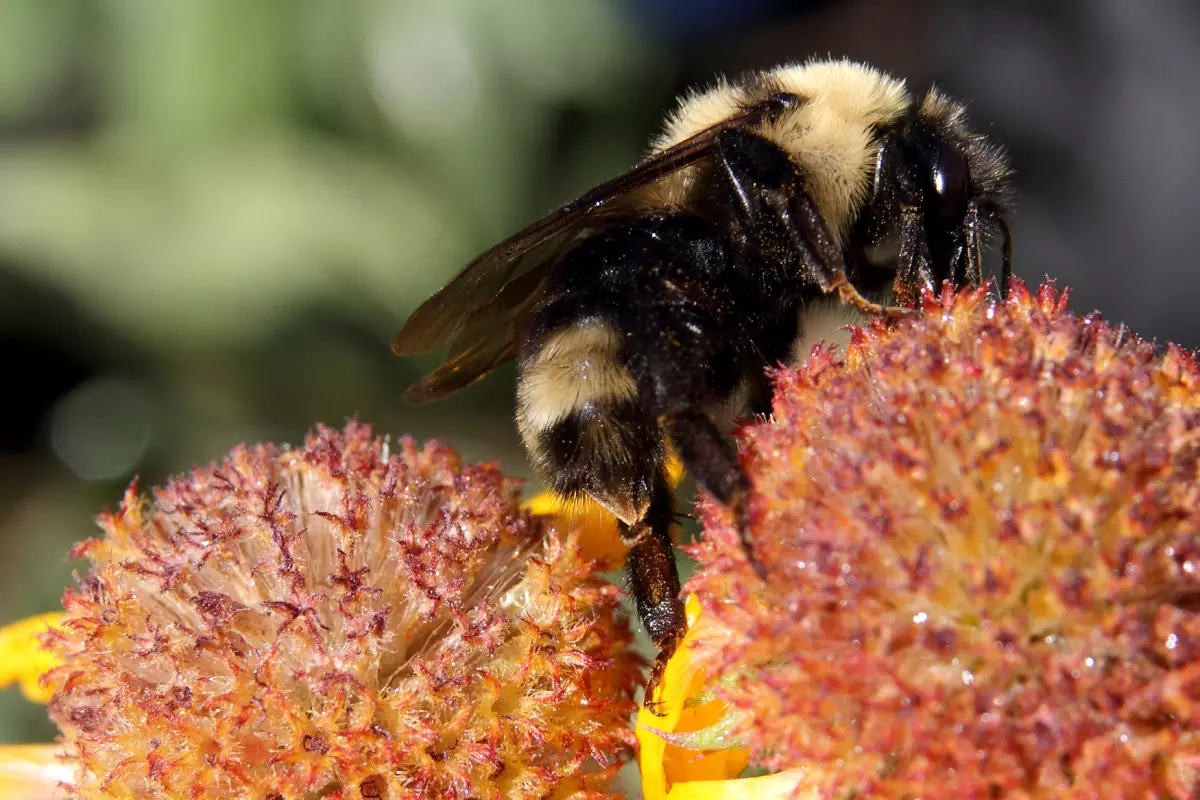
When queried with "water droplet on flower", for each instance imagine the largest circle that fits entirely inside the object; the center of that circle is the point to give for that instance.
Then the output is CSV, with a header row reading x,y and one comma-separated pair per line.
x,y
968,677
920,618
1172,641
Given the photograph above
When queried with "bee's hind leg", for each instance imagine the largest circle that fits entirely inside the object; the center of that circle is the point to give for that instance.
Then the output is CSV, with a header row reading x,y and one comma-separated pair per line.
x,y
711,460
654,580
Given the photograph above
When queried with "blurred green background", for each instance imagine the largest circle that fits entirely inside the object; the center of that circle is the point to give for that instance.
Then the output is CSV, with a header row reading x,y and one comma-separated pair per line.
x,y
214,214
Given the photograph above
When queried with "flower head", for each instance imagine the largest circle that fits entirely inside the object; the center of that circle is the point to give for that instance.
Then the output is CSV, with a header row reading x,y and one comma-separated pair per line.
x,y
982,535
348,619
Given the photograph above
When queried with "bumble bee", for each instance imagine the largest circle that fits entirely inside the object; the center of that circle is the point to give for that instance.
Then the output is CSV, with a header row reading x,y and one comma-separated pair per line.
x,y
639,312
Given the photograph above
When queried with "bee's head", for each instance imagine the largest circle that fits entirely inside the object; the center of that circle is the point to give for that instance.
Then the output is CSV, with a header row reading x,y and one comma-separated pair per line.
x,y
934,169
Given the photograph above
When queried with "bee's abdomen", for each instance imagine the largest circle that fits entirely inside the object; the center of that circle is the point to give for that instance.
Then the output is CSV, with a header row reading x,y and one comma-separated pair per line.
x,y
571,369
635,325
580,417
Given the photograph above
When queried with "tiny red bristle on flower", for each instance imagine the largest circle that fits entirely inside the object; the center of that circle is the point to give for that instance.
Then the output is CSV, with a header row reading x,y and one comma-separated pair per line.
x,y
982,536
349,619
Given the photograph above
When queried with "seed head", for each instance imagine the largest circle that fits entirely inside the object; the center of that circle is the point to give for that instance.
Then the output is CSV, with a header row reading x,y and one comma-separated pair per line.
x,y
982,537
348,619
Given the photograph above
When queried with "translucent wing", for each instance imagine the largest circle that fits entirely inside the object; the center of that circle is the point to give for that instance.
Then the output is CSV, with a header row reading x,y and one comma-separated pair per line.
x,y
492,337
481,308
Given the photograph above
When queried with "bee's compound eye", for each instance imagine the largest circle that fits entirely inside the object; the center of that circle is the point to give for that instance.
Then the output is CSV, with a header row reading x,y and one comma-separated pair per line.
x,y
951,180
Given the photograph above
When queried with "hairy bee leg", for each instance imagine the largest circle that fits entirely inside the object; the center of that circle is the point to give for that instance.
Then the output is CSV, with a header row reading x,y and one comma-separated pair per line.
x,y
752,168
710,458
850,296
654,580
1006,271
814,240
915,267
972,256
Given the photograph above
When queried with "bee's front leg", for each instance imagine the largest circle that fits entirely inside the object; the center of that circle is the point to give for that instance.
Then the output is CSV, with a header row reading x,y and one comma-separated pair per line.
x,y
773,204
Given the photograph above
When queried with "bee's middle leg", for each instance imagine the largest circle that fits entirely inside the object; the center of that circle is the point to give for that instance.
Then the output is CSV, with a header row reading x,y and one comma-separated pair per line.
x,y
711,459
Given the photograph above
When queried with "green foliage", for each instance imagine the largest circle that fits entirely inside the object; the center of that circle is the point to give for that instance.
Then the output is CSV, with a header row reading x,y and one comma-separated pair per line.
x,y
222,210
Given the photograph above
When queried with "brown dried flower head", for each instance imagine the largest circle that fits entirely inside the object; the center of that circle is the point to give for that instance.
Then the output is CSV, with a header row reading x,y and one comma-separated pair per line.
x,y
982,531
345,620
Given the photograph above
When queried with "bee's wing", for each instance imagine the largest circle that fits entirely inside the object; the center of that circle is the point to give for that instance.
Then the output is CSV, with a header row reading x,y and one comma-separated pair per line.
x,y
492,337
469,362
485,302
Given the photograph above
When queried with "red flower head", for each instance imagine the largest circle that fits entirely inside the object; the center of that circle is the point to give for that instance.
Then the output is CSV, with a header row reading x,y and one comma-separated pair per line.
x,y
982,534
348,619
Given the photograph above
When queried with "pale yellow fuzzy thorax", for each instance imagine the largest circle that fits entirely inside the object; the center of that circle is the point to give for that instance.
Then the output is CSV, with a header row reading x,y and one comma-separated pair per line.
x,y
828,135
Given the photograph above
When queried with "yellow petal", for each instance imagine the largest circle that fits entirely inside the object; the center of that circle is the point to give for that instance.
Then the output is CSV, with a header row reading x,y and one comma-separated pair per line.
x,y
781,786
23,660
666,766
599,539
33,772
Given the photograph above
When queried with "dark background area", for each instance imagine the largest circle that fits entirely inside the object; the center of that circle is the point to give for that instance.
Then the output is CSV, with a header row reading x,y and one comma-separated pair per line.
x,y
215,214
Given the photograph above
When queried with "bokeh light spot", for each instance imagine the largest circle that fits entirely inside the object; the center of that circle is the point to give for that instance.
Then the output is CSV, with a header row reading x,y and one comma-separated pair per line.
x,y
101,429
